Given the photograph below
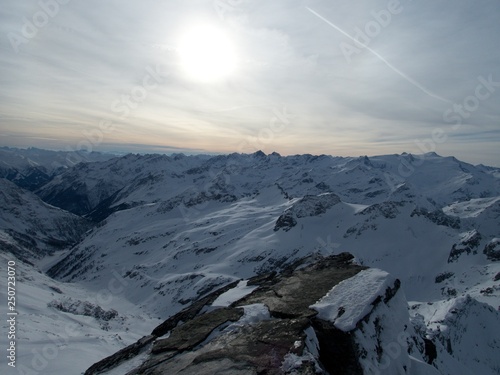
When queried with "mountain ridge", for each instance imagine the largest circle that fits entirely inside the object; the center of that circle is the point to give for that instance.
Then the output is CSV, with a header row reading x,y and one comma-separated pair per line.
x,y
174,229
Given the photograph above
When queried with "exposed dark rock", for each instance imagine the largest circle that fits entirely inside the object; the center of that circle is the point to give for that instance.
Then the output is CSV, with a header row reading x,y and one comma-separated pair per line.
x,y
72,263
189,312
205,250
388,210
85,308
290,297
337,349
259,154
430,351
310,205
455,253
323,186
264,279
106,208
193,332
44,229
73,199
197,170
373,194
193,198
56,289
285,222
449,292
438,217
258,348
120,356
32,178
204,340
263,345
443,276
183,316
468,245
20,252
488,291
492,251
314,205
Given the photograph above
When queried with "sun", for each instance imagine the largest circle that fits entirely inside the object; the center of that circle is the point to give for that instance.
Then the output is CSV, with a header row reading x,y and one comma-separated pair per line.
x,y
206,54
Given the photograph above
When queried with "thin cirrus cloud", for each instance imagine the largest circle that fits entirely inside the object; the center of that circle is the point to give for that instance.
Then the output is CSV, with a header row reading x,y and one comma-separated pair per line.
x,y
301,84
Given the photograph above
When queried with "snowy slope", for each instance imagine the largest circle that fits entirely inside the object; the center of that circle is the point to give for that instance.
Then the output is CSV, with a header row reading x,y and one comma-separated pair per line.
x,y
170,260
31,228
182,223
176,227
464,329
136,179
50,341
458,336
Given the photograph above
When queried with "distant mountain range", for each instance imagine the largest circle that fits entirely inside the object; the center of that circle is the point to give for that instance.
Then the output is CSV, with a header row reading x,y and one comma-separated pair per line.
x,y
167,231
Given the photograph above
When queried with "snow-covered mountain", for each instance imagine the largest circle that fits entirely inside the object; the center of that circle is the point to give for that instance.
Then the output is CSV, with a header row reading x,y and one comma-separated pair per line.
x,y
62,328
30,228
33,167
321,316
179,225
134,179
172,229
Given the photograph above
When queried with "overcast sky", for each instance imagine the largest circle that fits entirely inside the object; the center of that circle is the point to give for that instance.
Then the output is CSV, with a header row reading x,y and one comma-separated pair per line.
x,y
112,75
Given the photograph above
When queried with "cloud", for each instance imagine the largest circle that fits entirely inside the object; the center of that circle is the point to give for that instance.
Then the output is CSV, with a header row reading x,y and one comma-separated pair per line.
x,y
89,57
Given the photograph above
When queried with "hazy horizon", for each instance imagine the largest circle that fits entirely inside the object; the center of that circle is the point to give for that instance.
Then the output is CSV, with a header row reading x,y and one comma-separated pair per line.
x,y
122,150
222,76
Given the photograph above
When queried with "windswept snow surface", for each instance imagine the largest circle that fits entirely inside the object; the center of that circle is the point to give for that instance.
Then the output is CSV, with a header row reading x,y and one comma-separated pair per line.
x,y
52,342
170,229
181,225
241,290
254,313
351,300
469,209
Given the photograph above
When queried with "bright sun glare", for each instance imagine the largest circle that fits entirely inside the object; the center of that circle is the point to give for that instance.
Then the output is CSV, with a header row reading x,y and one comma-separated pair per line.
x,y
206,54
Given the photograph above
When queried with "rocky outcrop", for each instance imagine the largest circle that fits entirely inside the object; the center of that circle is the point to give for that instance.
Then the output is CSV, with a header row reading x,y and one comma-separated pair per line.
x,y
367,315
388,210
85,308
467,245
285,222
287,323
136,348
463,333
492,250
310,205
438,217
122,355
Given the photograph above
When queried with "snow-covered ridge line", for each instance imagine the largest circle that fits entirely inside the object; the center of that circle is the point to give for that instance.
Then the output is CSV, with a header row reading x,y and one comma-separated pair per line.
x,y
351,300
170,230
